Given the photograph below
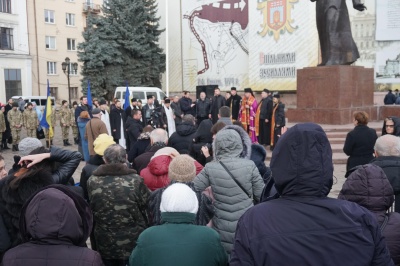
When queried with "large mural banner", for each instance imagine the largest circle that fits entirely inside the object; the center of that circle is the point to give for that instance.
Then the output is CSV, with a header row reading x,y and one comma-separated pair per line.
x,y
215,43
283,39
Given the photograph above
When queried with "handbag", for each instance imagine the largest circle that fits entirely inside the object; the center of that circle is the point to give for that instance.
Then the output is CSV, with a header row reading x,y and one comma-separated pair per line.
x,y
40,134
239,185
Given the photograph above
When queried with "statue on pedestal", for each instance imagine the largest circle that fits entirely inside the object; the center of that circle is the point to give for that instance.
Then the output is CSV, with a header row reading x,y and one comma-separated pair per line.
x,y
333,23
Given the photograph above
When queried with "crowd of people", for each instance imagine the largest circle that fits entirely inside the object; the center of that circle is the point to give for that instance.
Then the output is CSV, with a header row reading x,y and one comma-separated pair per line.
x,y
183,182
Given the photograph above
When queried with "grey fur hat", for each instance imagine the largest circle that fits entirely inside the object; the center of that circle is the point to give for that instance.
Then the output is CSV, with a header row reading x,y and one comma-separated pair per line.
x,y
27,145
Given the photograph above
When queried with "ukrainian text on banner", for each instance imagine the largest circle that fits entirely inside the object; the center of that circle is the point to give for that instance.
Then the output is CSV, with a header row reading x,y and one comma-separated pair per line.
x,y
215,43
283,39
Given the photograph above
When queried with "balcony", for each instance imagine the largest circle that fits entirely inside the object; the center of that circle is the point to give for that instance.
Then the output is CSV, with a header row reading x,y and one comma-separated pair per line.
x,y
92,8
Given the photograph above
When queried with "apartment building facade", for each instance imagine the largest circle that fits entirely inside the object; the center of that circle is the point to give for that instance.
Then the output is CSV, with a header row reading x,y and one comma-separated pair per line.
x,y
55,29
15,61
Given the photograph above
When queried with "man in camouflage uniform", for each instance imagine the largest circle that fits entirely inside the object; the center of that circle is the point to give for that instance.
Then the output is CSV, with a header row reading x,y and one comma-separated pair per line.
x,y
53,123
30,121
15,119
65,120
72,123
2,125
118,199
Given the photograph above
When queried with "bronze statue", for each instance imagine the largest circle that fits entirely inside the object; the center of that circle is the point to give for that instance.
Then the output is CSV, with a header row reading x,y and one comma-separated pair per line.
x,y
333,23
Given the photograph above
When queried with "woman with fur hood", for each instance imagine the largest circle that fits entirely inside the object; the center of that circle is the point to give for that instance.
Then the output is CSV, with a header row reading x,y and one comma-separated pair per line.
x,y
234,179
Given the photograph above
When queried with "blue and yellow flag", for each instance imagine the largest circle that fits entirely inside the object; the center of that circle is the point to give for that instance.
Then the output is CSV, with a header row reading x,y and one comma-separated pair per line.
x,y
46,119
89,95
127,102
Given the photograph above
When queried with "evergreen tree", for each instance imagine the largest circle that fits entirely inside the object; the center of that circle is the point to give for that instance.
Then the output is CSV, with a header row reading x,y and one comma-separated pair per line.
x,y
122,45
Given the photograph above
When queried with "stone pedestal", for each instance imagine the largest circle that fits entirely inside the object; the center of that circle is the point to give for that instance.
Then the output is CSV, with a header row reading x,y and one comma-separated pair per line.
x,y
330,94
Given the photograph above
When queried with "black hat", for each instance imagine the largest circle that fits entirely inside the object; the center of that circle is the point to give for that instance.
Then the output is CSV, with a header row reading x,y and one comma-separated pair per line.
x,y
29,104
96,111
149,96
102,101
133,100
276,95
233,89
266,90
14,104
63,101
167,101
248,90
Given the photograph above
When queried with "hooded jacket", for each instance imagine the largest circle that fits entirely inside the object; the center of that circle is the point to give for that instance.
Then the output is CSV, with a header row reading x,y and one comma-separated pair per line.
x,y
232,146
369,187
183,137
313,228
55,224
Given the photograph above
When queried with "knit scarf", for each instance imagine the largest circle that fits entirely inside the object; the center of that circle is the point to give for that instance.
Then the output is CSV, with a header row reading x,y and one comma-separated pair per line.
x,y
159,144
258,118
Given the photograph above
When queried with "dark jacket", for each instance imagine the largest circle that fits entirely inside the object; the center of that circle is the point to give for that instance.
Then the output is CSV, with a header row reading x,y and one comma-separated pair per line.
x,y
87,171
182,138
280,115
139,147
391,166
81,108
390,98
47,241
216,103
133,129
178,242
203,108
177,111
146,114
5,241
234,103
115,122
202,137
266,111
186,106
141,162
317,230
369,187
118,199
359,145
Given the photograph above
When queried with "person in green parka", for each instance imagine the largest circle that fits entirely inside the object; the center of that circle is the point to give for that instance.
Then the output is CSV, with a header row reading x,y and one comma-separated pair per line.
x,y
178,241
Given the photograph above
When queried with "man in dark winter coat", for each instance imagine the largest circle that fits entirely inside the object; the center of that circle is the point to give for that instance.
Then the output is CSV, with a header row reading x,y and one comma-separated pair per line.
x,y
390,98
117,122
387,153
47,240
133,106
158,140
83,107
315,229
234,103
183,137
264,114
203,106
147,109
175,105
217,102
134,127
187,104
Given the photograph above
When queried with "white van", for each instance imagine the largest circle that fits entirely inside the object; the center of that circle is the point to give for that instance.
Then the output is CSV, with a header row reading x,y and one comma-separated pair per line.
x,y
139,93
40,101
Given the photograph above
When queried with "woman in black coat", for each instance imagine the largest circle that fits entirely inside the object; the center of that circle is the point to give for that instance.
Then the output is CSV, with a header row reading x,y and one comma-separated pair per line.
x,y
360,142
202,137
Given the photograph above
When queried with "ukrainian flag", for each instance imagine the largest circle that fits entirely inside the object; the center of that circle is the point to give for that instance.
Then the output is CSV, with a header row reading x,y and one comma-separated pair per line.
x,y
46,119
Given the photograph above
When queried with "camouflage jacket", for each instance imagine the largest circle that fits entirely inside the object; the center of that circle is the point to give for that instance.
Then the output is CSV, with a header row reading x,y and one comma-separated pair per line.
x,y
30,119
65,116
53,117
118,199
15,118
72,118
2,122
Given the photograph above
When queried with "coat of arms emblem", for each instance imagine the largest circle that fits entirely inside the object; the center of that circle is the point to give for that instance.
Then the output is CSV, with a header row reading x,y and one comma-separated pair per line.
x,y
276,17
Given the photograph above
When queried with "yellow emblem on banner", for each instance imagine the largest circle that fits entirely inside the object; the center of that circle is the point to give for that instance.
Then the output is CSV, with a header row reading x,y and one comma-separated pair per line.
x,y
276,17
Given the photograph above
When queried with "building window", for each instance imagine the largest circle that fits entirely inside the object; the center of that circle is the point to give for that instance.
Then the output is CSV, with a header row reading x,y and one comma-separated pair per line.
x,y
54,92
13,83
71,44
70,19
50,42
72,71
6,39
51,68
5,6
74,92
49,16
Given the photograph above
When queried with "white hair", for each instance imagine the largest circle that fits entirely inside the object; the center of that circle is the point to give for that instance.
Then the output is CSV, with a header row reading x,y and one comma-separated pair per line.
x,y
387,145
159,135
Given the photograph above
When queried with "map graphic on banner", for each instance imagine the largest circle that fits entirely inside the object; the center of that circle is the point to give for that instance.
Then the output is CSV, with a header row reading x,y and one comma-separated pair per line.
x,y
215,43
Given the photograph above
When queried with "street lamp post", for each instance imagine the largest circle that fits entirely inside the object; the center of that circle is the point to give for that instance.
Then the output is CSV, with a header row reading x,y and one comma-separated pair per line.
x,y
66,67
